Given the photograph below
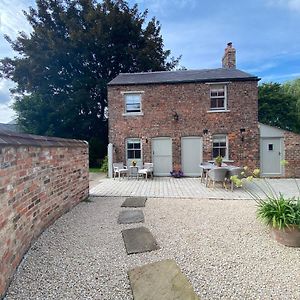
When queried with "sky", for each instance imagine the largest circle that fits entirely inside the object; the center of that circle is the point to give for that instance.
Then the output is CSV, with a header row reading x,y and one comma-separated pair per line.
x,y
265,34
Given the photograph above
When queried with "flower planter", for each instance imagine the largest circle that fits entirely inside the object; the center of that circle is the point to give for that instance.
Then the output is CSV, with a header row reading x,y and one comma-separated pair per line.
x,y
288,236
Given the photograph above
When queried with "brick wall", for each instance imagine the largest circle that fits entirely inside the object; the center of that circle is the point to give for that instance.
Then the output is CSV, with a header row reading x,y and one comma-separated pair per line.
x,y
40,179
191,101
292,154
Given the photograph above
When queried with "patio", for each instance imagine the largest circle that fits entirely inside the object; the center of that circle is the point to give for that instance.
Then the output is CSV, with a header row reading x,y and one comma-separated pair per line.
x,y
169,187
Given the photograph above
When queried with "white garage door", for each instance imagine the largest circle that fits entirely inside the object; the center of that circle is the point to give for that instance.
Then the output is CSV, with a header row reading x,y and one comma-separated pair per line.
x,y
162,156
191,155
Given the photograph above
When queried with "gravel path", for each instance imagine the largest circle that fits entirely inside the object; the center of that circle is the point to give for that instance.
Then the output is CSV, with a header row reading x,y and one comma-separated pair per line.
x,y
218,244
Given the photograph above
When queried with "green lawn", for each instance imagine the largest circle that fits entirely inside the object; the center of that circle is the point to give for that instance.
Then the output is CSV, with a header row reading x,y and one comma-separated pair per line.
x,y
94,170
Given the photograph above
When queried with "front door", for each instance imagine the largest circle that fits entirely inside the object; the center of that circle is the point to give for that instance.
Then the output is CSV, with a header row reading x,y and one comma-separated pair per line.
x,y
162,156
191,155
271,155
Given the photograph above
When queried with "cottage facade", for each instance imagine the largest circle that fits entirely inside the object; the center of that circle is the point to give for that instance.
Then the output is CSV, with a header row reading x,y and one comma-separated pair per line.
x,y
181,118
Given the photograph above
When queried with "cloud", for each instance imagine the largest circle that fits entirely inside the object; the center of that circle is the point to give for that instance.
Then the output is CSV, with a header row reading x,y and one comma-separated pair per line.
x,y
293,5
6,113
12,17
5,85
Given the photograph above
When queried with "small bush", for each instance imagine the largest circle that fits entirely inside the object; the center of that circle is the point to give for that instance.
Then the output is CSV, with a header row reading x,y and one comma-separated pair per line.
x,y
104,165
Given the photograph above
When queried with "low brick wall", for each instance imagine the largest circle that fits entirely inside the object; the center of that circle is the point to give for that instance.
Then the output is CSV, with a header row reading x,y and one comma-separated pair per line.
x,y
41,178
292,154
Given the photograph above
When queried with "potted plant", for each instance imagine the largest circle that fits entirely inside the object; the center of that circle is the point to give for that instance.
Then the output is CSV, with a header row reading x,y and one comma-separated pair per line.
x,y
177,172
219,160
134,163
283,217
280,214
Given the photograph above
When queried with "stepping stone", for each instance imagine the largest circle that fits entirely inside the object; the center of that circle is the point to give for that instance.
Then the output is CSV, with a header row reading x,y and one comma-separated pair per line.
x,y
134,202
138,240
160,280
131,216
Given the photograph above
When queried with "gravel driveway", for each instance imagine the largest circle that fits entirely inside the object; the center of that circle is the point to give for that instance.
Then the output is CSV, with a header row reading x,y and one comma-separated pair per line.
x,y
220,246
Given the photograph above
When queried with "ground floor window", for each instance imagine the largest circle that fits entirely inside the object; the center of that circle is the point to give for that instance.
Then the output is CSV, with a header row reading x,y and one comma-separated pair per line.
x,y
220,146
134,150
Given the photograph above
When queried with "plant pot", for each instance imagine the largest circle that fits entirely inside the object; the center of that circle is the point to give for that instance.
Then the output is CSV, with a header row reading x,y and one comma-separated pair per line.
x,y
289,236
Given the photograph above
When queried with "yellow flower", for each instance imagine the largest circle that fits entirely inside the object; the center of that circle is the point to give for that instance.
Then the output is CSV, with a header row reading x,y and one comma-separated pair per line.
x,y
284,162
256,172
250,178
245,168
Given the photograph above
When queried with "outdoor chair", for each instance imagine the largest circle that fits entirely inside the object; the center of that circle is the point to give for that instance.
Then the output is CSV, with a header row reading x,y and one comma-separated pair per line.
x,y
119,169
237,171
217,175
204,170
147,170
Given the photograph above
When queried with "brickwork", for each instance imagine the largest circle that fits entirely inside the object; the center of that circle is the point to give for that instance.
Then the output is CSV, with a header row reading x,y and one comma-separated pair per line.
x,y
292,154
191,101
37,185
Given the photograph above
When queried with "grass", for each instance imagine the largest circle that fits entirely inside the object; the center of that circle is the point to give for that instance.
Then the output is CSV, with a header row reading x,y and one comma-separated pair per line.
x,y
95,170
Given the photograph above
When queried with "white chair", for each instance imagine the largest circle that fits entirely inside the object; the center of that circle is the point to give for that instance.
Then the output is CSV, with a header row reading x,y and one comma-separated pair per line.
x,y
119,169
235,171
205,167
147,170
217,175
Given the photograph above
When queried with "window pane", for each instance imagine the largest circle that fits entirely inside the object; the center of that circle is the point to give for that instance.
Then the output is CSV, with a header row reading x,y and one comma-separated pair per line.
x,y
223,152
215,152
137,154
133,102
130,154
136,145
129,146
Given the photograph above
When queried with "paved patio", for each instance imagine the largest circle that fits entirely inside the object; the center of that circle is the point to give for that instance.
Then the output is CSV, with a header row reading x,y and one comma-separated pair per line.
x,y
161,187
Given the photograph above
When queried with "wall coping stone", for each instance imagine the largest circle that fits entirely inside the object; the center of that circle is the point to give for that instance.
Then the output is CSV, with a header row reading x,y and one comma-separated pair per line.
x,y
8,138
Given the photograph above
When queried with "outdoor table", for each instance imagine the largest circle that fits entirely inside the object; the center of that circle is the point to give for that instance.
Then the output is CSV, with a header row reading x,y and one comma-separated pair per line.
x,y
133,171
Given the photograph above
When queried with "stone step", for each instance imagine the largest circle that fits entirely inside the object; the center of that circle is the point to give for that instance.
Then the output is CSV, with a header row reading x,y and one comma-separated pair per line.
x,y
131,216
161,280
138,240
134,202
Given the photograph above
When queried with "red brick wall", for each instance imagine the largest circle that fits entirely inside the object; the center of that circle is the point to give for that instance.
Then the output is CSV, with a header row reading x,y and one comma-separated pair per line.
x,y
292,154
37,185
191,101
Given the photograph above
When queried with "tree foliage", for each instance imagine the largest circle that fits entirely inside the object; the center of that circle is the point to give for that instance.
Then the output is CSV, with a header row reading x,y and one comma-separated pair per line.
x,y
293,88
278,108
75,48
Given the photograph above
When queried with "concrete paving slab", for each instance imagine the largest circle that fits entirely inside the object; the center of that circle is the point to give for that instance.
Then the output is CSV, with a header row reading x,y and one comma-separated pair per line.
x,y
131,216
134,202
138,240
160,280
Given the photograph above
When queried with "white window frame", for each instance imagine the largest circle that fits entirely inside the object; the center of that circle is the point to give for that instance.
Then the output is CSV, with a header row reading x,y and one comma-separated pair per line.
x,y
219,136
134,140
216,87
132,113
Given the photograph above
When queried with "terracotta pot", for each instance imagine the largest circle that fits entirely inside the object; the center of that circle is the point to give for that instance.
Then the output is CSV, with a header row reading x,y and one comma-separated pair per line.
x,y
288,236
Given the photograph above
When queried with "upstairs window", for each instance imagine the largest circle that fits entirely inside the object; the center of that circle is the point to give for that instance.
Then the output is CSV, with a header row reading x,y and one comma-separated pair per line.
x,y
133,103
220,146
218,97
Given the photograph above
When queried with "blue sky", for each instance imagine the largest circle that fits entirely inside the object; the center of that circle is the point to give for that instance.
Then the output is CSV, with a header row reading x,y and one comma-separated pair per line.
x,y
265,34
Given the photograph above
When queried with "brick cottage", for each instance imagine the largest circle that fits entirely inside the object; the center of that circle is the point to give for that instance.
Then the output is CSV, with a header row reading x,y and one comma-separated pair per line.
x,y
185,117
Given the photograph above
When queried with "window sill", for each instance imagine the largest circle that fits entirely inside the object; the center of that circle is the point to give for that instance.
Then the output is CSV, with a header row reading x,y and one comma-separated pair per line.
x,y
133,114
224,160
218,111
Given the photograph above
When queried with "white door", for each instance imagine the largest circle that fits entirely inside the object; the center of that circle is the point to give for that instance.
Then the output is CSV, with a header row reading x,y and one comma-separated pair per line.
x,y
271,155
191,155
162,156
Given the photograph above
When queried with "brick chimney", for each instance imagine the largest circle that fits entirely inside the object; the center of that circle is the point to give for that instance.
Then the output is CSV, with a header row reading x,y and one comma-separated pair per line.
x,y
229,60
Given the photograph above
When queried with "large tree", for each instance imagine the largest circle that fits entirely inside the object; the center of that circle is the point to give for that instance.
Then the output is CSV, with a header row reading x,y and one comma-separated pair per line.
x,y
278,108
63,66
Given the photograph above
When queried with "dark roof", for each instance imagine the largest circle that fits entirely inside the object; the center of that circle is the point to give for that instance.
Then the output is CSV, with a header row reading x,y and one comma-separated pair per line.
x,y
9,127
8,138
205,75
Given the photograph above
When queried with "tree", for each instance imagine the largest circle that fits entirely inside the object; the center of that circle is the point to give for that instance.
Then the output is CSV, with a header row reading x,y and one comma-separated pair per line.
x,y
293,88
277,108
63,67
